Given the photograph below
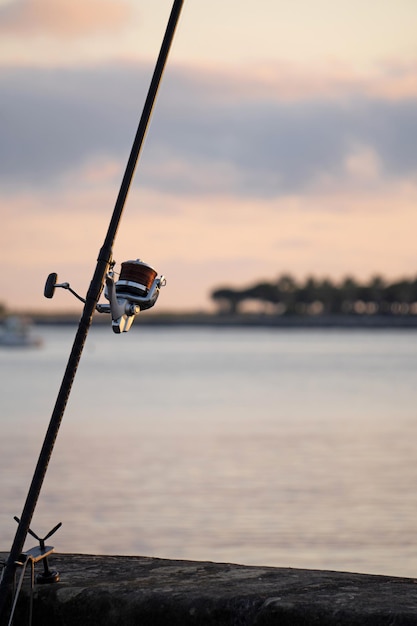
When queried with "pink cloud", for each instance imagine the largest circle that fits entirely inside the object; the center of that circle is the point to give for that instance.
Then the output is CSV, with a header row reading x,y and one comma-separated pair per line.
x,y
286,81
301,234
66,18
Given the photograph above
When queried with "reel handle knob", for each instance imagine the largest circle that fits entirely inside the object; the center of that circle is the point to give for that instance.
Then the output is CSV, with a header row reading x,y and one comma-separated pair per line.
x,y
50,284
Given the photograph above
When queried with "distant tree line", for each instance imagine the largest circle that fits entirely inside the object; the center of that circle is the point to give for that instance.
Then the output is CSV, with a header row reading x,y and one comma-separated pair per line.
x,y
287,296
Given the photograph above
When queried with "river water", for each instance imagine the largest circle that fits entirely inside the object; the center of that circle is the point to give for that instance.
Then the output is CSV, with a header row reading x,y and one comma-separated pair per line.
x,y
292,448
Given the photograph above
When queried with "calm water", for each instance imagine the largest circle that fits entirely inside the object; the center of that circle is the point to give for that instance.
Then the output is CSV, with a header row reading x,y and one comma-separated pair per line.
x,y
256,446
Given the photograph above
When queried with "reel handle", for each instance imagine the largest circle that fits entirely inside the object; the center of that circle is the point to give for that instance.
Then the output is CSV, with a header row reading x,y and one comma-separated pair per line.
x,y
51,284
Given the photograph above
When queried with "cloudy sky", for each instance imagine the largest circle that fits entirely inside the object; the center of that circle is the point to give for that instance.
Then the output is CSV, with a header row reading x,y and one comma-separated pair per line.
x,y
284,139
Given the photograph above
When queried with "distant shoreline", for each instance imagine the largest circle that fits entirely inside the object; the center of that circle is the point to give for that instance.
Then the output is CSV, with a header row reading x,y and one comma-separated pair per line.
x,y
243,320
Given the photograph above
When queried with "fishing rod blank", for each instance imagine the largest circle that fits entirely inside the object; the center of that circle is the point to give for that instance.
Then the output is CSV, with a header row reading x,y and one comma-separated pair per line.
x,y
130,293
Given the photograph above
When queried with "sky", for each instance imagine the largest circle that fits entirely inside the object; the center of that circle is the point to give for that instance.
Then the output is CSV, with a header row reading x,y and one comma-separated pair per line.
x,y
284,139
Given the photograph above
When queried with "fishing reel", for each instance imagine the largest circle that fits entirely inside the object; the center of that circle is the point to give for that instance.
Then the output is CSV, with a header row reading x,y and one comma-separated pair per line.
x,y
136,289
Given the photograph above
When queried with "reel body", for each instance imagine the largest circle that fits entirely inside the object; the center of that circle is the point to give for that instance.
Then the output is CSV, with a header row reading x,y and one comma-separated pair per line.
x,y
137,289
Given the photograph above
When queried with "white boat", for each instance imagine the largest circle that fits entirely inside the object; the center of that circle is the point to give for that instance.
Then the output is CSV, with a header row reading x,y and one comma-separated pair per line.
x,y
17,333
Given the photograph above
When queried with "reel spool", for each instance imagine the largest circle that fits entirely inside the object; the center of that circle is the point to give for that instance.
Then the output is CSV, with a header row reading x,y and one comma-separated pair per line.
x,y
135,280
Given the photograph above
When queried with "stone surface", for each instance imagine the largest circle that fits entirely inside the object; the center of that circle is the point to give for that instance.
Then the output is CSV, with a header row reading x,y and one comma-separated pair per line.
x,y
119,590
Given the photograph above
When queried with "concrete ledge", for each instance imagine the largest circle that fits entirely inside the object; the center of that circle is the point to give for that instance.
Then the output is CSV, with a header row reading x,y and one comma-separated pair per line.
x,y
127,591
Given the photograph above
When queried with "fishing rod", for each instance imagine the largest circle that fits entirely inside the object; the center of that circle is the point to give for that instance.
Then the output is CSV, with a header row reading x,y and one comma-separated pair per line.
x,y
136,290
